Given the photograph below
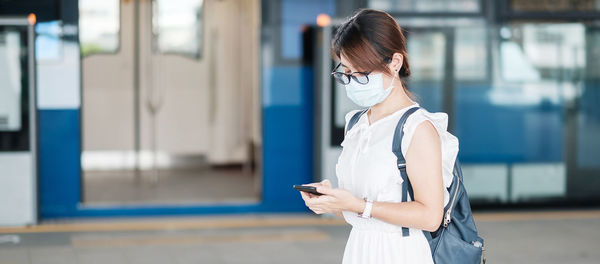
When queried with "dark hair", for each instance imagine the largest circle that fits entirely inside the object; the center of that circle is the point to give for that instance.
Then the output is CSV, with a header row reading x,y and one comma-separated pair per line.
x,y
368,40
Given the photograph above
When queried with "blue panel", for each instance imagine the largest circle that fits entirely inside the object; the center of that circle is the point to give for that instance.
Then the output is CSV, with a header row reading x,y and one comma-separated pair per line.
x,y
282,86
288,139
59,162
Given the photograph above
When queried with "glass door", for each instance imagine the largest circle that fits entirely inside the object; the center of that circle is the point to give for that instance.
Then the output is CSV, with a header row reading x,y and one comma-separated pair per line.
x,y
170,98
560,41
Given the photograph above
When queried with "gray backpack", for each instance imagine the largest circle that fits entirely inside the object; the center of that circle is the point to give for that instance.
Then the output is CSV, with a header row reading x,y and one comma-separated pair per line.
x,y
456,240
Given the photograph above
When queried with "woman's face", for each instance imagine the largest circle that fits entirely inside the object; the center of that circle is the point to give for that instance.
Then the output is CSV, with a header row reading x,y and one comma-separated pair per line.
x,y
348,68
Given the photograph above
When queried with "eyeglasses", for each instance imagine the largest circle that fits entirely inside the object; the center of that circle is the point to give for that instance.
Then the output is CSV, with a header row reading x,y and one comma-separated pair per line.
x,y
344,78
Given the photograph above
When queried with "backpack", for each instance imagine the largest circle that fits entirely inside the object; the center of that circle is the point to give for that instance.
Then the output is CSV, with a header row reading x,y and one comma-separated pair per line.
x,y
456,239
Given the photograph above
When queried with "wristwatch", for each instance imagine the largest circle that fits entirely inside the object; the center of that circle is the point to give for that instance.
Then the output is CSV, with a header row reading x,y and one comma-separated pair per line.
x,y
368,206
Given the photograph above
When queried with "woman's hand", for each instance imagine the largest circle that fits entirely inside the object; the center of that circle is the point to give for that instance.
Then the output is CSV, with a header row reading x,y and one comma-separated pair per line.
x,y
333,200
307,197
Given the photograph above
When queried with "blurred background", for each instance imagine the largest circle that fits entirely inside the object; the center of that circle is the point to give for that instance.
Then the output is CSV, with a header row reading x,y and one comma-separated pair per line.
x,y
146,130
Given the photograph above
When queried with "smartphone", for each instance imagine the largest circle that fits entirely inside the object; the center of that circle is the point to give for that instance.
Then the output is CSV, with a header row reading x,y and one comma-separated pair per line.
x,y
308,189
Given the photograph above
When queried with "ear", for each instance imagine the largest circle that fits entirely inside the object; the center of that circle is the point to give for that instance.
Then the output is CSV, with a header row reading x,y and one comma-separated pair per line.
x,y
396,63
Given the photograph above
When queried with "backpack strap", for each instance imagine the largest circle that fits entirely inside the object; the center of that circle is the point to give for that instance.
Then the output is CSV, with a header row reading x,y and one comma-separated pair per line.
x,y
354,119
401,162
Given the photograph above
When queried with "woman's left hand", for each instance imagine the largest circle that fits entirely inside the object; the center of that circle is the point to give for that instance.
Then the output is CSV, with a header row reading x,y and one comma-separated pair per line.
x,y
334,200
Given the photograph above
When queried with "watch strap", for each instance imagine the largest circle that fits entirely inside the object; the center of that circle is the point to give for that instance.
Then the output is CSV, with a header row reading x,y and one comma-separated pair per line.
x,y
368,207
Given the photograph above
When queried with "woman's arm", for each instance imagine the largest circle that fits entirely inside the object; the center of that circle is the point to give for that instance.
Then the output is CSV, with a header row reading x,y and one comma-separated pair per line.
x,y
424,169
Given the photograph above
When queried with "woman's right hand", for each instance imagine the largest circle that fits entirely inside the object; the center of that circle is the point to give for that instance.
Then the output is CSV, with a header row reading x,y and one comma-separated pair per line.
x,y
307,196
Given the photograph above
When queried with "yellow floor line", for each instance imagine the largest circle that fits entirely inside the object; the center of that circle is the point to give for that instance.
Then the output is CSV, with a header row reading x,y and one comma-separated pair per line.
x,y
173,225
248,222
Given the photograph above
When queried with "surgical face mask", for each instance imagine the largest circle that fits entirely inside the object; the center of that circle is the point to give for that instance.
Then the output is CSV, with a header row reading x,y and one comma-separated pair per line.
x,y
372,93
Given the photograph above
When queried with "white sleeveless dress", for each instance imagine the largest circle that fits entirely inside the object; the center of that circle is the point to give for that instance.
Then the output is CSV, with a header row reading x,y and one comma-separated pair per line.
x,y
367,168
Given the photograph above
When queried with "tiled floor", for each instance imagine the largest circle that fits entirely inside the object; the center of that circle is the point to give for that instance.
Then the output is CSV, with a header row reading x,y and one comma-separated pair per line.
x,y
547,237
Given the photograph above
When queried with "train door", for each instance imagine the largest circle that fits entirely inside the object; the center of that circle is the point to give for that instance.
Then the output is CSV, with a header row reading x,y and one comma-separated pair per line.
x,y
553,66
169,101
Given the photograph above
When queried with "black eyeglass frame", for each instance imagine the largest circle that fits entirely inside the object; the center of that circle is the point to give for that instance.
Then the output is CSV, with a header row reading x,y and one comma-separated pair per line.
x,y
337,76
351,75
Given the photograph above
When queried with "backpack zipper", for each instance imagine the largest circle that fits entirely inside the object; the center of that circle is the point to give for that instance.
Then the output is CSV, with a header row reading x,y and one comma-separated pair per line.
x,y
447,218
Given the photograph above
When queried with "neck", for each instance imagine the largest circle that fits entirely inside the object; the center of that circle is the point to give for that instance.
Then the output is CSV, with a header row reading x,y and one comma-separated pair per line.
x,y
397,100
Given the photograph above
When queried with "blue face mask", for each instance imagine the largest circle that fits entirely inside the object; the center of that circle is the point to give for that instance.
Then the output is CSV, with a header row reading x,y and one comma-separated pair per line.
x,y
372,93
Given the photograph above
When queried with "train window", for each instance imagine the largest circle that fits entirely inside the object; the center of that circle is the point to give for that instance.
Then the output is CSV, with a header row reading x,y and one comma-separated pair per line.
x,y
99,26
48,44
534,52
177,26
470,58
14,92
593,59
10,76
424,6
426,51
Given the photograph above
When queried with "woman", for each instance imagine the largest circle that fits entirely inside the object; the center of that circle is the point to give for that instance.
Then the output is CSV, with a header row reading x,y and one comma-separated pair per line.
x,y
372,53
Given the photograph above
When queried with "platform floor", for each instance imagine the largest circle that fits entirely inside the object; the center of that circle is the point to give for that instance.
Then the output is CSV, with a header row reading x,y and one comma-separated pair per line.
x,y
511,237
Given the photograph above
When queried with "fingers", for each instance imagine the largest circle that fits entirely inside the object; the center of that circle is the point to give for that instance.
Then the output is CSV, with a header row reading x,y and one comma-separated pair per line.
x,y
313,202
318,202
306,195
325,190
309,200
